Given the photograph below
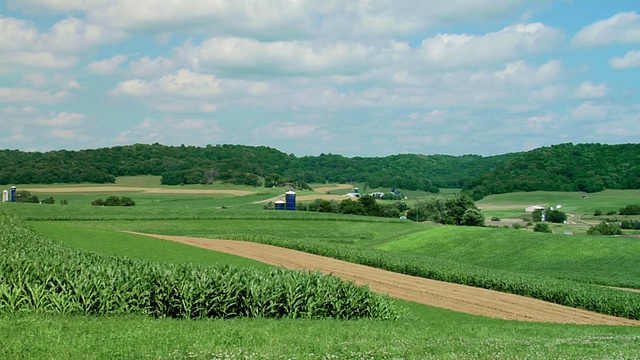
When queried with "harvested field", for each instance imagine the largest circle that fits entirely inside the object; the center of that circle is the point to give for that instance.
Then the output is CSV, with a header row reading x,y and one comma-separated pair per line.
x,y
95,189
332,188
425,291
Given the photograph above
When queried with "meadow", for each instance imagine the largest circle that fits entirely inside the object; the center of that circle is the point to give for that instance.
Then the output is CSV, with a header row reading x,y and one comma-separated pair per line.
x,y
424,332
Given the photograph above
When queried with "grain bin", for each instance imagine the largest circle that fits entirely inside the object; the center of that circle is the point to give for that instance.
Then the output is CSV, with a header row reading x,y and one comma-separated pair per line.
x,y
279,205
290,196
13,194
5,196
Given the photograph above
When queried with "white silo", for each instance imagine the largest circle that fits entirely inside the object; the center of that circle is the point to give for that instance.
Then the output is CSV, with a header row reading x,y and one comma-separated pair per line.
x,y
5,196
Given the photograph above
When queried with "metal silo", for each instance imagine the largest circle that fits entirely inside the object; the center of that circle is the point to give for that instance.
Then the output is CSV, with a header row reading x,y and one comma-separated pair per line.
x,y
13,194
290,196
279,205
5,196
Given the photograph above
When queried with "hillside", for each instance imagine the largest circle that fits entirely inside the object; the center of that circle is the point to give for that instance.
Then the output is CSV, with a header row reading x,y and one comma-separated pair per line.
x,y
565,167
239,164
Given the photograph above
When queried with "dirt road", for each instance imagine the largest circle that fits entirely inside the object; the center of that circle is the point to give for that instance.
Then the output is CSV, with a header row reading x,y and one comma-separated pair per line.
x,y
429,292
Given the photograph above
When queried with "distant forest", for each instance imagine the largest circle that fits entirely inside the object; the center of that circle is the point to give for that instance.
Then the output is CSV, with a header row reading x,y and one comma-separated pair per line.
x,y
565,167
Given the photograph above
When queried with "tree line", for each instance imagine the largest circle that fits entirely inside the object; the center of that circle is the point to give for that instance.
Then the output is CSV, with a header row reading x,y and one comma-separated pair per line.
x,y
564,167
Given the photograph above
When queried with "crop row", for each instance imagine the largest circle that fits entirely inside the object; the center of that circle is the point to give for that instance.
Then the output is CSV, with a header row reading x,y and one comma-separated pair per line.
x,y
565,292
31,212
38,274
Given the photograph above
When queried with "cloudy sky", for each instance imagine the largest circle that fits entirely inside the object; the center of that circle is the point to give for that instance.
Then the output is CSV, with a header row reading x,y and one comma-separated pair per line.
x,y
351,77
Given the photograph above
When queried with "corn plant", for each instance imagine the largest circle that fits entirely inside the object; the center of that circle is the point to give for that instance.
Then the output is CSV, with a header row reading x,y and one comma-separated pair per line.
x,y
40,275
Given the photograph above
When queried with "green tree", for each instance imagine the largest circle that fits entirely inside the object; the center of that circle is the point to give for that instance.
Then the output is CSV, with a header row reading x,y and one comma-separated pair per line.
x,y
555,216
472,217
630,210
605,229
542,227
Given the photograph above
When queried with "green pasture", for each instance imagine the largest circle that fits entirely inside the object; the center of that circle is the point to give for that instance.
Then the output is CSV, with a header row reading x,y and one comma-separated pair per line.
x,y
96,239
586,258
512,205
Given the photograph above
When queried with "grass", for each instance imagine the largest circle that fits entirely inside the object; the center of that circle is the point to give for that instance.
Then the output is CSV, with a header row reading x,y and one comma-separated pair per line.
x,y
513,204
107,241
585,258
363,234
427,333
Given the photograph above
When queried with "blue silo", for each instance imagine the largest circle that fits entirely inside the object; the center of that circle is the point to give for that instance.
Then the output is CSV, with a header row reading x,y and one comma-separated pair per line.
x,y
290,196
279,205
13,194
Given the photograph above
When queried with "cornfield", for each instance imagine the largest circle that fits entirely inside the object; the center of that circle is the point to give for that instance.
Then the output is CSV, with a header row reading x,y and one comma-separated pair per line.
x,y
40,275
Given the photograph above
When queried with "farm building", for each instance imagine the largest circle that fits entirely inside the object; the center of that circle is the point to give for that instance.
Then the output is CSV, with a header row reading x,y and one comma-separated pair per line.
x,y
533,208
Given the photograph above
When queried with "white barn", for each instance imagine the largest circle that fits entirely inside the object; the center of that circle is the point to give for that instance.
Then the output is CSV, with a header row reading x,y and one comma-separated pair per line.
x,y
533,208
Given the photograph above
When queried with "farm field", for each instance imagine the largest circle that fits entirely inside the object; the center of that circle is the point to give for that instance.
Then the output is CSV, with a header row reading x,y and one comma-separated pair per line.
x,y
424,332
512,205
585,258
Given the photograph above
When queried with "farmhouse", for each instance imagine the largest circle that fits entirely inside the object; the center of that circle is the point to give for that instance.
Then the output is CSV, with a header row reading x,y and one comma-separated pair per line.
x,y
533,208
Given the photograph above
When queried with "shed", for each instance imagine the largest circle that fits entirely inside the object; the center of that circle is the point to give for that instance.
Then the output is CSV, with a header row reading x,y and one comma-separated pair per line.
x,y
533,208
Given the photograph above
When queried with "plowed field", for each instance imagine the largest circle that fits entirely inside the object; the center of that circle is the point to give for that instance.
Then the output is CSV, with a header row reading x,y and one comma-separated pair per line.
x,y
429,292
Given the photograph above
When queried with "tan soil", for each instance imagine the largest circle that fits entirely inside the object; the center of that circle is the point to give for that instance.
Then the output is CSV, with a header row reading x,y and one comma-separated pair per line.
x,y
333,188
627,289
91,189
429,292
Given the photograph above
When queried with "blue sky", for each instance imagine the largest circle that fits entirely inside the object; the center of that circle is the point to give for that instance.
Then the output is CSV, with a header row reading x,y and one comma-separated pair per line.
x,y
358,78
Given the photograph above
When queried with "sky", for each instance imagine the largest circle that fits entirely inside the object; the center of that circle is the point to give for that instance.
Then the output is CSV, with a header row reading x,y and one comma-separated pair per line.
x,y
356,77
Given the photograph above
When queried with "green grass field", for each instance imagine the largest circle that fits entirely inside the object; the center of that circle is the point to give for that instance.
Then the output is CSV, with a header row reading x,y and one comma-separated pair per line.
x,y
425,333
593,259
512,205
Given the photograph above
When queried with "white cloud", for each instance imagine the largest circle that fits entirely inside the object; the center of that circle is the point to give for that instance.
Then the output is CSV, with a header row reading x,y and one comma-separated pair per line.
x,y
148,66
590,110
521,73
23,45
63,119
15,33
279,57
446,51
74,35
282,18
538,122
182,83
65,134
26,110
588,90
290,130
107,66
40,80
57,5
22,59
19,95
623,27
630,60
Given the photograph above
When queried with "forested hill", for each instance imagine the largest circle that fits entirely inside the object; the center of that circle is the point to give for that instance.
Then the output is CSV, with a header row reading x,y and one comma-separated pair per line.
x,y
241,165
564,167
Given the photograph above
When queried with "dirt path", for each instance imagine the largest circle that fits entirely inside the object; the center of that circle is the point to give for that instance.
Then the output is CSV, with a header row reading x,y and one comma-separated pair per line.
x,y
429,292
332,188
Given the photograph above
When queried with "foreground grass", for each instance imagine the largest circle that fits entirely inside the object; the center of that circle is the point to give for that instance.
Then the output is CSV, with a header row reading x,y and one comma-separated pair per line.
x,y
427,333
602,260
